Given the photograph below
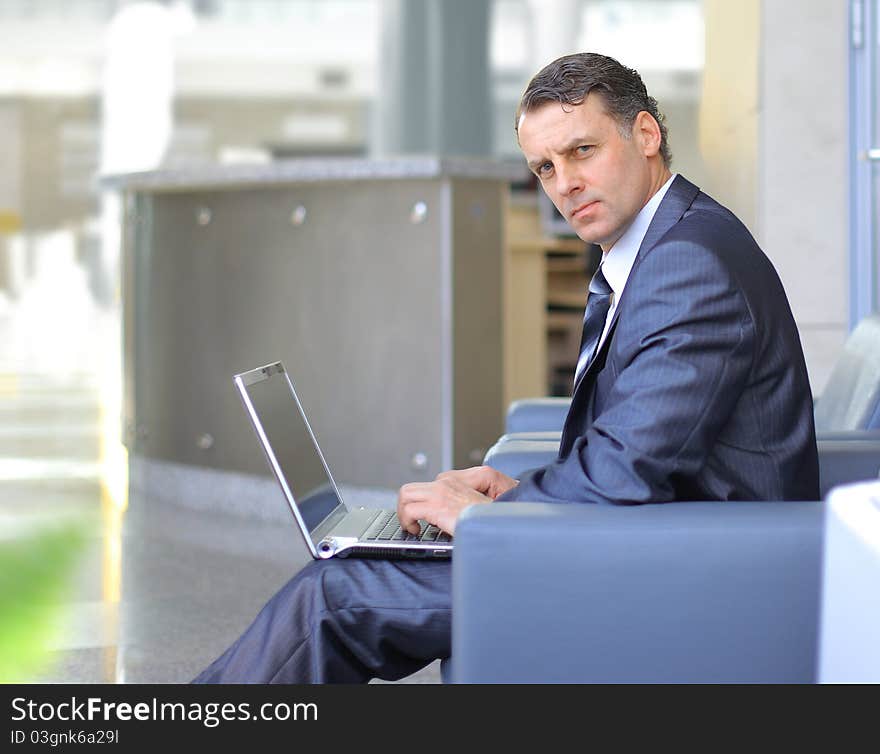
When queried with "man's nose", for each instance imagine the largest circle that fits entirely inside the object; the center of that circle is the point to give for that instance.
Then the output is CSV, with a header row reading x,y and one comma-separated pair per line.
x,y
568,181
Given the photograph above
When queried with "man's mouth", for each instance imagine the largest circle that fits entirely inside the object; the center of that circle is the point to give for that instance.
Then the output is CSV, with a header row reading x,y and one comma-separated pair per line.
x,y
583,209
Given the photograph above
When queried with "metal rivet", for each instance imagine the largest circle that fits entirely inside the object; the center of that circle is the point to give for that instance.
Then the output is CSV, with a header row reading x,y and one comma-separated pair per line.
x,y
203,216
205,442
418,213
298,216
419,461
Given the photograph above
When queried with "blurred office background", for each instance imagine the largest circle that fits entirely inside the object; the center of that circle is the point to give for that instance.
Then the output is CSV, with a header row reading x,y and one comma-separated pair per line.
x,y
768,104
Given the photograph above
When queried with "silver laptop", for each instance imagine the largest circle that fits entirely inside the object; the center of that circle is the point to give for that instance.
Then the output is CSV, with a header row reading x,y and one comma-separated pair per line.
x,y
330,528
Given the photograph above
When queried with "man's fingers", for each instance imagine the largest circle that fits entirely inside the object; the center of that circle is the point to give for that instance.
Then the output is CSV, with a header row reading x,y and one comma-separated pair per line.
x,y
476,477
415,491
439,503
412,504
410,515
483,479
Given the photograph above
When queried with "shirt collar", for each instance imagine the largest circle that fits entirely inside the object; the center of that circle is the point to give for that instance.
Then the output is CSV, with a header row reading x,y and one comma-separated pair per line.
x,y
618,262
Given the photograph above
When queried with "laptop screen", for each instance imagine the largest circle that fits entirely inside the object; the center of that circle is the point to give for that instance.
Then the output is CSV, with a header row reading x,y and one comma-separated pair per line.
x,y
282,421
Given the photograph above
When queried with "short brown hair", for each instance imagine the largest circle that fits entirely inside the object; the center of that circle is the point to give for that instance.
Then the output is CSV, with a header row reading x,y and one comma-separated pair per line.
x,y
569,79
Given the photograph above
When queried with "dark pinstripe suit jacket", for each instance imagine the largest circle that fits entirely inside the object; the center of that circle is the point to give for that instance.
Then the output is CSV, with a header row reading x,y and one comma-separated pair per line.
x,y
700,390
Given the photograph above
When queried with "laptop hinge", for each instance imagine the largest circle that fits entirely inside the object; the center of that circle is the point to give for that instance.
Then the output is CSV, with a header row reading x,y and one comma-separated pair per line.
x,y
324,528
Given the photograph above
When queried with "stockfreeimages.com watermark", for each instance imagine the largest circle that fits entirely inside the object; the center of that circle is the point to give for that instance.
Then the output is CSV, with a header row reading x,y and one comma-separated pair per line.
x,y
210,714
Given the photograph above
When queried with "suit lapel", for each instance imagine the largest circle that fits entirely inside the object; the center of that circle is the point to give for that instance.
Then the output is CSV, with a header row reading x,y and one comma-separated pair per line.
x,y
678,199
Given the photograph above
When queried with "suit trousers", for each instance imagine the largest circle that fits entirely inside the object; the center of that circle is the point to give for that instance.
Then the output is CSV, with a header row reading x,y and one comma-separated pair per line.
x,y
345,621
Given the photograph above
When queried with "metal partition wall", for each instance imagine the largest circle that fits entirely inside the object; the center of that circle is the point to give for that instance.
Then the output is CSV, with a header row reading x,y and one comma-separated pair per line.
x,y
382,297
864,159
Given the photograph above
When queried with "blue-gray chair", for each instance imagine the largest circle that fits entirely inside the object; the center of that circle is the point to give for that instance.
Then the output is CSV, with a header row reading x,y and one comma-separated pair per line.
x,y
851,399
676,592
685,592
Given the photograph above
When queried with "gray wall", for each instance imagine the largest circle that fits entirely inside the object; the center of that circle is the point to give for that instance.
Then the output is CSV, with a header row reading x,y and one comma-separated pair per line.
x,y
773,132
802,168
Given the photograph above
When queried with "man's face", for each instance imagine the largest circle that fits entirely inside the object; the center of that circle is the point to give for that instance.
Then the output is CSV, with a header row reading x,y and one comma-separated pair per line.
x,y
598,179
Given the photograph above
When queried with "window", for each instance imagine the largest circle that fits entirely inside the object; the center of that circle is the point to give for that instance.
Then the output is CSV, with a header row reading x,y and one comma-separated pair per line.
x,y
864,159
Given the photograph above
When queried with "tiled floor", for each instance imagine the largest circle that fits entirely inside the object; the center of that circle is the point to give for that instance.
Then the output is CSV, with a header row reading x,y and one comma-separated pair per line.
x,y
161,587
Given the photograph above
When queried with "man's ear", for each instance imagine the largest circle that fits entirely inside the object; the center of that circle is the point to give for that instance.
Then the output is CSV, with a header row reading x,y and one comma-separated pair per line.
x,y
647,131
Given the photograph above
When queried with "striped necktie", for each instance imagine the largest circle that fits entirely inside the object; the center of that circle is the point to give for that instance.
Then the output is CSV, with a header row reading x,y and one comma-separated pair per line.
x,y
598,303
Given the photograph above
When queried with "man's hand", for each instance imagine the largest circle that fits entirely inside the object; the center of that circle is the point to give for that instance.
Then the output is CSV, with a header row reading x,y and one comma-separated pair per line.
x,y
441,502
482,479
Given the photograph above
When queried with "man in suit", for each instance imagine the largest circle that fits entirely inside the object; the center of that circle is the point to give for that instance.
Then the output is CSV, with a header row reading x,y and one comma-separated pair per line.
x,y
691,384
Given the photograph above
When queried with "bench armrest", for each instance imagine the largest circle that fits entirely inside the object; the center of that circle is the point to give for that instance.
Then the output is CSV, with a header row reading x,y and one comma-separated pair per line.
x,y
677,592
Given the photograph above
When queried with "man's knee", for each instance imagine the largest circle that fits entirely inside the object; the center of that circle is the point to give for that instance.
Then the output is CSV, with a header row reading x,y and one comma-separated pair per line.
x,y
329,585
355,584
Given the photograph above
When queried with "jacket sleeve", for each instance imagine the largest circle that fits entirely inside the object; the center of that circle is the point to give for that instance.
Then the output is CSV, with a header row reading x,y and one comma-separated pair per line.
x,y
684,346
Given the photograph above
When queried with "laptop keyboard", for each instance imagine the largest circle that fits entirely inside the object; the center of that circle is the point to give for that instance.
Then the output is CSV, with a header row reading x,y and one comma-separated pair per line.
x,y
386,528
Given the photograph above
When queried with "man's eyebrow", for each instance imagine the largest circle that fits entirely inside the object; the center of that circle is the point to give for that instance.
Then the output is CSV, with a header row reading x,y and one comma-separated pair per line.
x,y
571,144
578,141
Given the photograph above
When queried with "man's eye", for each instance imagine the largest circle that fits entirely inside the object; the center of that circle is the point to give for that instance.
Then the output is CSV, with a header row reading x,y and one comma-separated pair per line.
x,y
545,168
584,148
